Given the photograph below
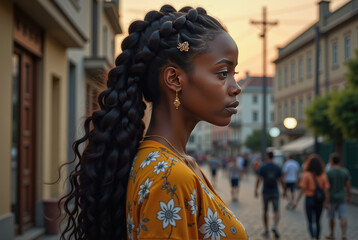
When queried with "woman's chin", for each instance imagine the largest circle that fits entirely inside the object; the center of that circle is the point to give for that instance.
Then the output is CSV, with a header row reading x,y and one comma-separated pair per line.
x,y
222,122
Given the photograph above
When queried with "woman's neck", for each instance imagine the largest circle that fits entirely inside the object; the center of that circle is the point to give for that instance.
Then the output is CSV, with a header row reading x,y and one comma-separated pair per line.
x,y
170,125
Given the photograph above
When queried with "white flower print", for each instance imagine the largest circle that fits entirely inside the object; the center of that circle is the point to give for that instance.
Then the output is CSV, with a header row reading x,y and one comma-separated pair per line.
x,y
213,226
233,230
192,203
139,228
211,196
151,157
168,214
131,171
161,166
130,226
144,190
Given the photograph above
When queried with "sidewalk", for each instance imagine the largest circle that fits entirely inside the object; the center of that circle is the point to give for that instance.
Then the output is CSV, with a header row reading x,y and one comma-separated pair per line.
x,y
292,224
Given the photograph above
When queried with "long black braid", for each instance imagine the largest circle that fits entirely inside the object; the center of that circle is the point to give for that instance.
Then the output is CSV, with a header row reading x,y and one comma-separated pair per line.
x,y
95,205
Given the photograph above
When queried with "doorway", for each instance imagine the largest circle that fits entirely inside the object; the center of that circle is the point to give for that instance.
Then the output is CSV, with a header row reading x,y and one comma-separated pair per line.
x,y
23,149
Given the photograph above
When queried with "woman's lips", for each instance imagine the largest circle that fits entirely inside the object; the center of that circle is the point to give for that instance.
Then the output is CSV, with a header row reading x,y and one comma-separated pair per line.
x,y
232,108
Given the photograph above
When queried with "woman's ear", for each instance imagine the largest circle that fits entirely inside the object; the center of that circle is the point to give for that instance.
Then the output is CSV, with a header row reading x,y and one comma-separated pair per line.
x,y
173,77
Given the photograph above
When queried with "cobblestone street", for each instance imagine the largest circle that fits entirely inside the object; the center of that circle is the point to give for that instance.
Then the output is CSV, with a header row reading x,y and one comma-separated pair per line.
x,y
292,223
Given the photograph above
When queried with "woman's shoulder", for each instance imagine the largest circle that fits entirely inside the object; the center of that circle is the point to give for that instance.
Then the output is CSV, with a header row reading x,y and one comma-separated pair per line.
x,y
155,161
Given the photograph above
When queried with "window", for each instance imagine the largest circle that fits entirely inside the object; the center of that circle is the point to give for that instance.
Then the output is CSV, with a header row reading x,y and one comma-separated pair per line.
x,y
347,48
293,73
279,78
254,98
300,109
293,110
286,76
334,54
300,69
285,110
105,40
254,116
308,100
279,114
309,65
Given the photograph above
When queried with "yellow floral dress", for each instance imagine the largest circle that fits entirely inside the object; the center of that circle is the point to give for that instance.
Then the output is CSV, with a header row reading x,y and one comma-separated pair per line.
x,y
167,200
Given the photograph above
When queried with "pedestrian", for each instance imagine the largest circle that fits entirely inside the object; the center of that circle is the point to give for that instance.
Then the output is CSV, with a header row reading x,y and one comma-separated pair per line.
x,y
240,163
313,177
270,174
234,174
339,194
214,163
245,166
126,186
256,163
291,171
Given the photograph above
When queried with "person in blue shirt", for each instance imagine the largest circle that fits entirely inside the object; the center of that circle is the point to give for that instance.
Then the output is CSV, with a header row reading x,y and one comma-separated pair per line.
x,y
270,174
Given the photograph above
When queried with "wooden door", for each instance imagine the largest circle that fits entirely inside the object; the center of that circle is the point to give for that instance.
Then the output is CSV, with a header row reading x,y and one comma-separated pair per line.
x,y
27,140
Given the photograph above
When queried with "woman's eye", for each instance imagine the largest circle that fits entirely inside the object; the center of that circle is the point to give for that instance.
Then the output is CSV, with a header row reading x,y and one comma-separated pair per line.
x,y
223,75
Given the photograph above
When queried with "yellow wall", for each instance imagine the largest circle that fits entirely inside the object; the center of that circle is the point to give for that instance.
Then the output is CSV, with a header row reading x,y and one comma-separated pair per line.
x,y
6,48
53,129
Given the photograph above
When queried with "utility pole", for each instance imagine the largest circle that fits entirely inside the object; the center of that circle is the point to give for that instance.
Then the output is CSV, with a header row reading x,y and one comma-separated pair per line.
x,y
264,24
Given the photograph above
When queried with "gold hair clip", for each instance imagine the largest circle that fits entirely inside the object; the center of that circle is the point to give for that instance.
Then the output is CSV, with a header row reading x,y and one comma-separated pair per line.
x,y
183,47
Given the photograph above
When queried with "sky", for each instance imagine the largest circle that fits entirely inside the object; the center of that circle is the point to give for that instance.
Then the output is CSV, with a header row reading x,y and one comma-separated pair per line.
x,y
293,18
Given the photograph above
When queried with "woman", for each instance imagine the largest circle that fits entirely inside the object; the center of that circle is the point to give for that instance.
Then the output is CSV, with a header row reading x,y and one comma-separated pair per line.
x,y
129,186
234,173
313,172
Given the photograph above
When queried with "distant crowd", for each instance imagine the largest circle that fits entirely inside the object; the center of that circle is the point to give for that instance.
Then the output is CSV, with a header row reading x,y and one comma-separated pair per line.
x,y
323,186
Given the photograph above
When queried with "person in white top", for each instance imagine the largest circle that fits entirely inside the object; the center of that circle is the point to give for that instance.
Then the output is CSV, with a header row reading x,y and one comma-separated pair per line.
x,y
290,171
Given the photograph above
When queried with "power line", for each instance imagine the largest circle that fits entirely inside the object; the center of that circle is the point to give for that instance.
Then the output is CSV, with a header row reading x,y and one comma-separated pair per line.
x,y
291,9
277,11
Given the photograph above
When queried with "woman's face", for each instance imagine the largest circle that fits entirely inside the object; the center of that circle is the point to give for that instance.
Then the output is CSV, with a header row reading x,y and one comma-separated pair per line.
x,y
211,90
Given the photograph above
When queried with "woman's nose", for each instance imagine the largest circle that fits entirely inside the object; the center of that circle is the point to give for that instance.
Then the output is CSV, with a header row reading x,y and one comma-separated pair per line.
x,y
235,89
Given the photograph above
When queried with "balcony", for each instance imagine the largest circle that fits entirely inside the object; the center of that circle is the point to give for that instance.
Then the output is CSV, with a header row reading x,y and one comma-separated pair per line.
x,y
218,143
111,10
234,143
96,66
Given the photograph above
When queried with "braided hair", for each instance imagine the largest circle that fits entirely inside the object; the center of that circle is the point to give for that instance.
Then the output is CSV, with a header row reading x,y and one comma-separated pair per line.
x,y
95,204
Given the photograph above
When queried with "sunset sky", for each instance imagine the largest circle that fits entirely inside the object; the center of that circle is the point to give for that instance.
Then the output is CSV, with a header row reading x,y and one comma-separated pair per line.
x,y
293,18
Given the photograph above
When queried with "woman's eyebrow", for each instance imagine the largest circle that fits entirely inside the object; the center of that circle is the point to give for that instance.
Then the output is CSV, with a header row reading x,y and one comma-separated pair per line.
x,y
225,61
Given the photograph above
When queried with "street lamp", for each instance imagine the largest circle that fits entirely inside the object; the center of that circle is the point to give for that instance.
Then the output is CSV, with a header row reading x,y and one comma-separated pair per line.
x,y
290,122
274,132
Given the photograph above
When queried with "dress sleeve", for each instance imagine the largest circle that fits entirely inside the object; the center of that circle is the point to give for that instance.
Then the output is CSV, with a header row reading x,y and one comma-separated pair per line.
x,y
170,209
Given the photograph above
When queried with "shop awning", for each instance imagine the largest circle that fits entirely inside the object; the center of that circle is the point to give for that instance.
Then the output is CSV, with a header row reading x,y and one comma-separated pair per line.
x,y
301,145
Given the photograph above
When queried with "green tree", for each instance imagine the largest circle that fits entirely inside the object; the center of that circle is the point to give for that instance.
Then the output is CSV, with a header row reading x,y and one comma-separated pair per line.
x,y
253,141
318,121
343,108
343,112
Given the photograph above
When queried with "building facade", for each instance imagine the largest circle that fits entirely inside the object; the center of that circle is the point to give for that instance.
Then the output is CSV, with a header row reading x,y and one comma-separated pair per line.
x,y
294,86
250,114
43,92
200,139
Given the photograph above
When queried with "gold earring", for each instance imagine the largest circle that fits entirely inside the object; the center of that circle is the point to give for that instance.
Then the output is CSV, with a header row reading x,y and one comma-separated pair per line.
x,y
176,100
